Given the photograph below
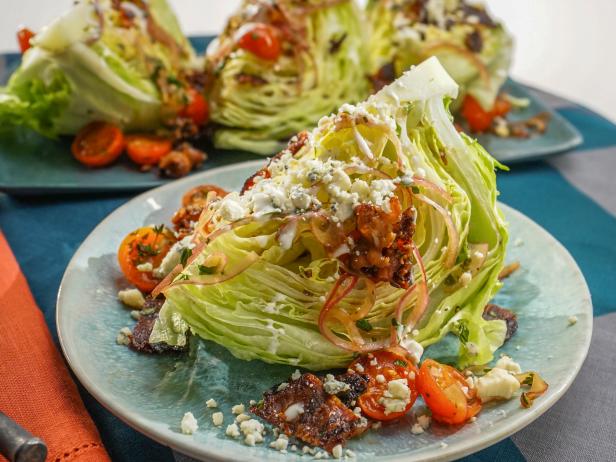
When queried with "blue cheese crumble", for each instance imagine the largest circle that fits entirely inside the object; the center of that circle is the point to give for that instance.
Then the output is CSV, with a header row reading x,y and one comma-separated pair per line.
x,y
496,384
333,386
218,418
132,298
189,424
397,397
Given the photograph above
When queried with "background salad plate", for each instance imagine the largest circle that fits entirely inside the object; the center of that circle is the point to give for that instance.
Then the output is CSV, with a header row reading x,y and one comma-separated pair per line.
x,y
151,393
33,164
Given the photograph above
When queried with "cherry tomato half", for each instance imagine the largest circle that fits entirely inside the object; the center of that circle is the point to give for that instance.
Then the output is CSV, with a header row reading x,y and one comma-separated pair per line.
x,y
144,245
23,39
479,120
447,393
383,367
196,109
262,41
98,144
147,149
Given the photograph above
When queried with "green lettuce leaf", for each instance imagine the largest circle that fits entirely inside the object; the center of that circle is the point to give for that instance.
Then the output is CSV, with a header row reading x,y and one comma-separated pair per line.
x,y
35,104
270,309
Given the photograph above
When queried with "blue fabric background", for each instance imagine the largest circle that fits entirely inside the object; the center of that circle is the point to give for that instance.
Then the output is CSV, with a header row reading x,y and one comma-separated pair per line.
x,y
44,232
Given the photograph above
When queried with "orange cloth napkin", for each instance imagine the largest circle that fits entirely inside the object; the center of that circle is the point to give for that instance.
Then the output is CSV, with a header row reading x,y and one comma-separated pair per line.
x,y
36,389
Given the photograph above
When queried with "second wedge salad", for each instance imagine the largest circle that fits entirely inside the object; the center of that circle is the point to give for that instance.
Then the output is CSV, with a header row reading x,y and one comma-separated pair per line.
x,y
121,63
279,66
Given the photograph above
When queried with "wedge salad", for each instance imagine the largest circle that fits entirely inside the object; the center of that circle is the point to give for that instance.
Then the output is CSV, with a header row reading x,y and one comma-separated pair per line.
x,y
361,243
278,67
102,60
121,76
475,50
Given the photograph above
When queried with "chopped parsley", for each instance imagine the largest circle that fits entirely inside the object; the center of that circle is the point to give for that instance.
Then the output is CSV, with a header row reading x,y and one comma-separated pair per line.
x,y
159,229
463,332
203,270
186,253
529,380
415,189
399,362
146,250
463,255
173,81
364,325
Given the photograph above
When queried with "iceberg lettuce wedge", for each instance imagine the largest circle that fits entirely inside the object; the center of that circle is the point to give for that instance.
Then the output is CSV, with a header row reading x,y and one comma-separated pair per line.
x,y
101,60
283,271
259,104
474,49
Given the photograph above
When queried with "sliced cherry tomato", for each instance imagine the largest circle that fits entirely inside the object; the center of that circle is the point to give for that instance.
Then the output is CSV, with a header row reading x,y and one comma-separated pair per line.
x,y
198,194
147,149
447,393
479,120
262,40
142,246
23,38
391,366
98,144
197,108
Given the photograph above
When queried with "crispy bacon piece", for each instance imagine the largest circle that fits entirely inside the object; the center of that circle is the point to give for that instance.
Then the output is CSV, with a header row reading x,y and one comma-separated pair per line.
x,y
181,161
250,79
295,144
492,312
184,219
478,12
140,340
193,203
384,76
325,420
474,41
382,244
358,383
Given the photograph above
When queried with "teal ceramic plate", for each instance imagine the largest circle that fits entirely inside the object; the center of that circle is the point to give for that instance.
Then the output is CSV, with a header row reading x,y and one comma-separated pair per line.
x,y
560,136
32,164
151,393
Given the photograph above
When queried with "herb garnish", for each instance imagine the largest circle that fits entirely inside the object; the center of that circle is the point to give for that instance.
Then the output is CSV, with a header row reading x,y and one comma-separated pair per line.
x,y
186,253
203,270
146,250
463,332
364,325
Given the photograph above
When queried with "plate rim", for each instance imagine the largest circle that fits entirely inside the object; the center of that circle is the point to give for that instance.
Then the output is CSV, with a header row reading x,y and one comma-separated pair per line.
x,y
168,437
545,152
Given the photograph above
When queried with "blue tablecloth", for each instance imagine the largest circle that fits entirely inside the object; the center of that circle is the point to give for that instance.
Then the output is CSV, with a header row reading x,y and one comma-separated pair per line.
x,y
573,196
